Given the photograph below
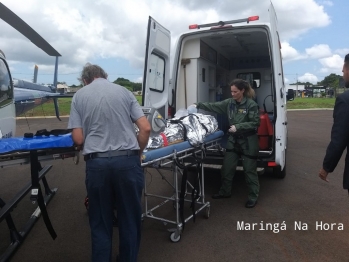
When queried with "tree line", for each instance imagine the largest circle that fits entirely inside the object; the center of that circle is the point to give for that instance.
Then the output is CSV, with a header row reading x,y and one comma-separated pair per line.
x,y
332,80
132,86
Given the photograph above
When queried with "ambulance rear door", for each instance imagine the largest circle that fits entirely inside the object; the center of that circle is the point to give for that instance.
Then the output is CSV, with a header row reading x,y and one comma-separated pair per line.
x,y
156,77
280,94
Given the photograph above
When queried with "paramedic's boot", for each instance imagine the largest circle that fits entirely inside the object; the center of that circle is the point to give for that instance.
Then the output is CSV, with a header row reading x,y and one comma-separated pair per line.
x,y
218,196
250,203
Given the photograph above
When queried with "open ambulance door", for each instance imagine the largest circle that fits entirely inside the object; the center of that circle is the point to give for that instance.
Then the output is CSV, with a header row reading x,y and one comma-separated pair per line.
x,y
278,82
156,76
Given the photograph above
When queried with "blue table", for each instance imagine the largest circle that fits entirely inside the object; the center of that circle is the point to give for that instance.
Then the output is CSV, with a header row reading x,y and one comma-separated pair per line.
x,y
20,150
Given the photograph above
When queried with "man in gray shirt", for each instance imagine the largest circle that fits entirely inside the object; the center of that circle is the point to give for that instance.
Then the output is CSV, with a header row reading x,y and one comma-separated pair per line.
x,y
102,117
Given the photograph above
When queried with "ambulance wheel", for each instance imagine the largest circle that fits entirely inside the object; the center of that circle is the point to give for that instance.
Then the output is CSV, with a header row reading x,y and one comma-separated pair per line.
x,y
173,237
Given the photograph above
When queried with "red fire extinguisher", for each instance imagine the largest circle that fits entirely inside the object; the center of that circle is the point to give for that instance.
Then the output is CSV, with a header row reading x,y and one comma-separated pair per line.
x,y
265,131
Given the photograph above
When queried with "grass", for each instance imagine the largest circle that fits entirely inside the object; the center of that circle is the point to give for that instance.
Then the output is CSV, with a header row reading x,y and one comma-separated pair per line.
x,y
139,99
310,102
48,109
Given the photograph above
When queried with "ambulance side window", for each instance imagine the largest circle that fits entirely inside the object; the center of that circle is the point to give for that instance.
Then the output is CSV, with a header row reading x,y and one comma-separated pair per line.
x,y
156,73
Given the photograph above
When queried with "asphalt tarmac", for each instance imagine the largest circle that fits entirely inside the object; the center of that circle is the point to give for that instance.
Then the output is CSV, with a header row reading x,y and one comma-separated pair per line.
x,y
298,218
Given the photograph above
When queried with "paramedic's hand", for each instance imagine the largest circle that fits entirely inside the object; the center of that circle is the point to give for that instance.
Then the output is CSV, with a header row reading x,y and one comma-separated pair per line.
x,y
232,129
323,174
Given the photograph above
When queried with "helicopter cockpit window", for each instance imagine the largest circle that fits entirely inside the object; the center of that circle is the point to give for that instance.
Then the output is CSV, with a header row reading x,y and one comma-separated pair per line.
x,y
6,91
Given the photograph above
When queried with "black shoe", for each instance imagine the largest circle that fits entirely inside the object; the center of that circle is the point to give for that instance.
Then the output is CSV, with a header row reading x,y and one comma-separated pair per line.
x,y
218,196
250,203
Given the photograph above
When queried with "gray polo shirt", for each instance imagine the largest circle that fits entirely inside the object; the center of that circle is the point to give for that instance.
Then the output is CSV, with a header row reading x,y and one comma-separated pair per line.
x,y
106,113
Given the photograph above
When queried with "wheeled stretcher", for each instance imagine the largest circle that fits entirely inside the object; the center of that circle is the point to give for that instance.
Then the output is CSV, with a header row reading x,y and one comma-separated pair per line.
x,y
177,158
19,151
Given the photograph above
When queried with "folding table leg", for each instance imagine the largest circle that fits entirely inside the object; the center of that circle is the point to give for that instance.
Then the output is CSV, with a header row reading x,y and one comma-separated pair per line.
x,y
15,236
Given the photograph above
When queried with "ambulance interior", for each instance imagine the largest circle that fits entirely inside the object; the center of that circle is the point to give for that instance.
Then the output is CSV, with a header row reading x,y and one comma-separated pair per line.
x,y
209,61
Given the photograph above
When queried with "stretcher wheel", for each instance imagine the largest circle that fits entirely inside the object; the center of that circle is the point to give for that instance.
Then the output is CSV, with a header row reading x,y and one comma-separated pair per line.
x,y
173,237
207,212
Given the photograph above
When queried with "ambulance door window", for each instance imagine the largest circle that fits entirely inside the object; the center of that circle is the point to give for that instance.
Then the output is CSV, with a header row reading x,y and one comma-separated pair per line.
x,y
156,73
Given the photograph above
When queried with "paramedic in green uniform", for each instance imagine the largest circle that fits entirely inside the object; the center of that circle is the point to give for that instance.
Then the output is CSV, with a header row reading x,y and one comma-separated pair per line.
x,y
243,117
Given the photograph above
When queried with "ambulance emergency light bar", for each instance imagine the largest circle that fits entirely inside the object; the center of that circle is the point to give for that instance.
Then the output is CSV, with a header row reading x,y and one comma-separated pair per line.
x,y
223,23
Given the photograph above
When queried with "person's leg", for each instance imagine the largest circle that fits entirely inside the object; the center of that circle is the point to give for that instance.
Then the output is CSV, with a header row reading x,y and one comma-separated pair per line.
x,y
128,185
251,177
228,171
250,166
100,209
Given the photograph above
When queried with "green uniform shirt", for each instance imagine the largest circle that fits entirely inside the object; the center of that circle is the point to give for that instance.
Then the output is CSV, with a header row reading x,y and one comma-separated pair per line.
x,y
244,116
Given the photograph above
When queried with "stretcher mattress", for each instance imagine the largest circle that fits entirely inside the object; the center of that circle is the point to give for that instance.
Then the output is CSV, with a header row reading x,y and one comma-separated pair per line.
x,y
17,144
164,151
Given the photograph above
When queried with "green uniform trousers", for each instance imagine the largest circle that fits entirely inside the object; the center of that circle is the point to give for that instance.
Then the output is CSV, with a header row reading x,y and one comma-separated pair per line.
x,y
245,147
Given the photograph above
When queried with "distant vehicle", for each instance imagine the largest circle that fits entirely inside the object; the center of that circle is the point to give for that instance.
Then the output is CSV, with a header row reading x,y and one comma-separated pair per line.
x,y
206,60
290,95
62,90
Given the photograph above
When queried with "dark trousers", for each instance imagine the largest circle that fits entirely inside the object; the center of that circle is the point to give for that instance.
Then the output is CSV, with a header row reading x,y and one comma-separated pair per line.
x,y
247,147
115,182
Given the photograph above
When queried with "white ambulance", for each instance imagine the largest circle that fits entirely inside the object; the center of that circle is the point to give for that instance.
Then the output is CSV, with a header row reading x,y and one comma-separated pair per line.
x,y
206,59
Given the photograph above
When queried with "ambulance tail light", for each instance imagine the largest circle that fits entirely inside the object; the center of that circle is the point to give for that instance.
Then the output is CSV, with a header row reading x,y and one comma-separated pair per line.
x,y
272,164
253,18
195,26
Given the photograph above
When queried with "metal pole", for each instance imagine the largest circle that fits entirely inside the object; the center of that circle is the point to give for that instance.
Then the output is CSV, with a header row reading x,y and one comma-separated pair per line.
x,y
55,74
296,85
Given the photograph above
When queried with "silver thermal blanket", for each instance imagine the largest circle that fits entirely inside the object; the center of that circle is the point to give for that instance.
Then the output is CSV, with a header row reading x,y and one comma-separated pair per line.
x,y
193,128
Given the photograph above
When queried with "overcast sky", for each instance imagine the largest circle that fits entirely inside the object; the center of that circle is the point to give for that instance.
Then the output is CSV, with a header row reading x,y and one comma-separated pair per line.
x,y
314,34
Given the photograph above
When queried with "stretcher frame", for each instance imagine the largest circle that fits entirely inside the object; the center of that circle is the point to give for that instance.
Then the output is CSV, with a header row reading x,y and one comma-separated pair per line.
x,y
168,162
37,173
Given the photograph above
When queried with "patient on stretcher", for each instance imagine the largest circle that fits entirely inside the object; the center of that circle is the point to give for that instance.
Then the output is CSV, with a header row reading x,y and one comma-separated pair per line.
x,y
193,128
